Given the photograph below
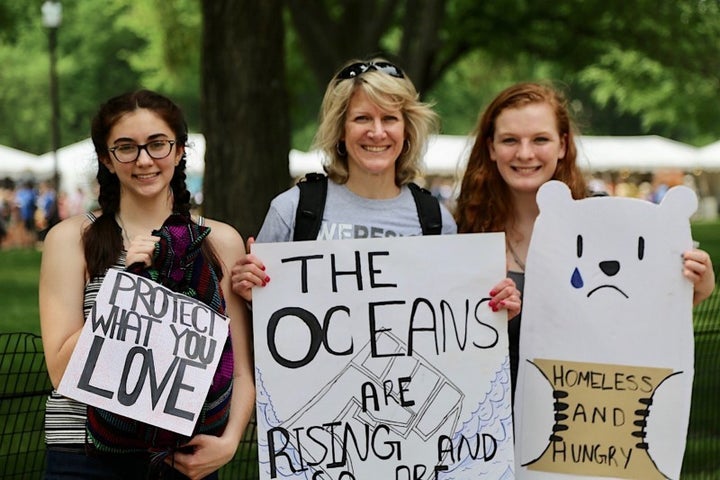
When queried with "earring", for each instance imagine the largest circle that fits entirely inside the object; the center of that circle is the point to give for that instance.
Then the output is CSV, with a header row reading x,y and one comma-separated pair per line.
x,y
341,148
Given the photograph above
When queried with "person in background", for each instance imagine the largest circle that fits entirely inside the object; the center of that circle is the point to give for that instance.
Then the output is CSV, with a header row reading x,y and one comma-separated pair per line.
x,y
74,202
6,203
144,225
48,213
373,130
524,138
26,199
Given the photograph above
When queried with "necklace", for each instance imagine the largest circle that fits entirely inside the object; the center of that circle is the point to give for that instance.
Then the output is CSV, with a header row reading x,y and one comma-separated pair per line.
x,y
515,256
119,221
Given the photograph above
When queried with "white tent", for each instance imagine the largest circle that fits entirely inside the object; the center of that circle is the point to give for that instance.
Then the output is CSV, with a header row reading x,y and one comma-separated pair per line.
x,y
195,150
709,156
305,162
446,155
77,165
635,153
18,164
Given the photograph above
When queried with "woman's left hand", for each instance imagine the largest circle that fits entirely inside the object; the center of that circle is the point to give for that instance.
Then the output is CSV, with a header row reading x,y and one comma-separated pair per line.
x,y
209,453
505,295
698,268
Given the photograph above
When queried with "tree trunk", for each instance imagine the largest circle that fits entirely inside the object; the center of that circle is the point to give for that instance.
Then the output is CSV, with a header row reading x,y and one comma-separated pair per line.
x,y
328,40
244,110
420,41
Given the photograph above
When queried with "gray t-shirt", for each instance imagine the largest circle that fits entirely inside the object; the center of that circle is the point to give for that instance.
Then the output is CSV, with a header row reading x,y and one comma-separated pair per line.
x,y
348,215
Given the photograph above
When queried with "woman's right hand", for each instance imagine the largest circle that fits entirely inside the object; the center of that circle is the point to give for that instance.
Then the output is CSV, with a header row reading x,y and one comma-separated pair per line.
x,y
141,250
247,273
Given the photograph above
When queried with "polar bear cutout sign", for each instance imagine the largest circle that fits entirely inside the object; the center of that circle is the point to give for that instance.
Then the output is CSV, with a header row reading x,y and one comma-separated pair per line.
x,y
606,345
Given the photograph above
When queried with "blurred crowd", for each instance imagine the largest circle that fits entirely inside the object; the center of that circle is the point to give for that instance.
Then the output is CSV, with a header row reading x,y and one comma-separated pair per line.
x,y
28,209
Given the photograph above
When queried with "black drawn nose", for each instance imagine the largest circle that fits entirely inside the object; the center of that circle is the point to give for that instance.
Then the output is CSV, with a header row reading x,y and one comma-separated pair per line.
x,y
610,267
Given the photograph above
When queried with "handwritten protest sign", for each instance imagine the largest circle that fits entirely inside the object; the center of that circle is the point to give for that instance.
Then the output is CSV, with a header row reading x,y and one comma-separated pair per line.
x,y
380,358
606,343
146,352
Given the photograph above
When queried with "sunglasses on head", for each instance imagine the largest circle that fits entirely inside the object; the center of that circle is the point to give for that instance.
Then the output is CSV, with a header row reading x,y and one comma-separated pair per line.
x,y
357,69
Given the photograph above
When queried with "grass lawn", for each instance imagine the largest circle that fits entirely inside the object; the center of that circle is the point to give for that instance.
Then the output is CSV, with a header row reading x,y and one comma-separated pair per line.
x,y
19,272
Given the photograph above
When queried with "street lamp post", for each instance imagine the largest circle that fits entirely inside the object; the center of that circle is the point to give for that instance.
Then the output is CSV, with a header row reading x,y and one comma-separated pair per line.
x,y
52,18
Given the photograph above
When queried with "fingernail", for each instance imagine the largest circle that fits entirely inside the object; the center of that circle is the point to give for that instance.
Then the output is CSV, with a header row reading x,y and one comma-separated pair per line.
x,y
491,303
263,268
493,293
267,279
495,309
502,303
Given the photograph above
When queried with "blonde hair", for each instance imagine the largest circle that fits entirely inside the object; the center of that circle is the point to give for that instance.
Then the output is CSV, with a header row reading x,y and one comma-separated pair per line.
x,y
388,93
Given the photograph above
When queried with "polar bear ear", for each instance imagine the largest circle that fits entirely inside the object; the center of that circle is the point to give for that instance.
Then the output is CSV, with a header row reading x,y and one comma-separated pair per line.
x,y
553,193
680,201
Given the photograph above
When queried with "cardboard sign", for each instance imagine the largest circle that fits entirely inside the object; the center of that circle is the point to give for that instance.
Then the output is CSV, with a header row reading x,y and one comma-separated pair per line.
x,y
380,358
146,352
606,342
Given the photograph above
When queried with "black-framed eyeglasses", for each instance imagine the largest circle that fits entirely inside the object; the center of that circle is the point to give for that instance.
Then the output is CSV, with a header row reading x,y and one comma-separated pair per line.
x,y
129,152
356,69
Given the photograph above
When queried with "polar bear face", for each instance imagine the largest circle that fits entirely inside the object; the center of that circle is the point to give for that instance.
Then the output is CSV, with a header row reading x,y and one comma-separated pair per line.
x,y
610,258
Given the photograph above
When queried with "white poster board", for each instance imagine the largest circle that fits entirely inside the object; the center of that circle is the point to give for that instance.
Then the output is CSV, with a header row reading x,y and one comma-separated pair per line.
x,y
606,341
380,358
146,352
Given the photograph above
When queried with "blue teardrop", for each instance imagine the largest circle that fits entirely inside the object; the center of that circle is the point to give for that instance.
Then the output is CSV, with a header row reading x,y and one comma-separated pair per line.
x,y
576,279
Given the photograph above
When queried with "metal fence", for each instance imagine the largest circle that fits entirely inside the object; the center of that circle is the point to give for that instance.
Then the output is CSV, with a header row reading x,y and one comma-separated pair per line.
x,y
702,454
24,386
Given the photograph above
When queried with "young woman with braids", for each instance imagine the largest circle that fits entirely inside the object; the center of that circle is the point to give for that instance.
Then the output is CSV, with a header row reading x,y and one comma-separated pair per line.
x,y
524,138
143,223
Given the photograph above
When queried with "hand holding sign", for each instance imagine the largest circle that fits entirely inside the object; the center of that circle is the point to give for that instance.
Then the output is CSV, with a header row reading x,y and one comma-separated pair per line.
x,y
146,352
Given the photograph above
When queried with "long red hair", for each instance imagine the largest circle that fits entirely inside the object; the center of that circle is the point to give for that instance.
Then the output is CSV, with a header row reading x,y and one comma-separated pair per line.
x,y
484,203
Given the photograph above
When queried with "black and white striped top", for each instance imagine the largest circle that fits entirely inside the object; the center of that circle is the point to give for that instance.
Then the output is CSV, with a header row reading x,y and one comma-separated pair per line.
x,y
65,418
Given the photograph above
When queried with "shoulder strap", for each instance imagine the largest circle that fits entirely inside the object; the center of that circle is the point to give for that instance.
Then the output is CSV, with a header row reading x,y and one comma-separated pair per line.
x,y
428,208
313,192
309,213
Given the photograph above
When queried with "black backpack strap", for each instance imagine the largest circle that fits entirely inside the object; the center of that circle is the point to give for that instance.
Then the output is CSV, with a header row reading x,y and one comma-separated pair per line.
x,y
428,208
309,213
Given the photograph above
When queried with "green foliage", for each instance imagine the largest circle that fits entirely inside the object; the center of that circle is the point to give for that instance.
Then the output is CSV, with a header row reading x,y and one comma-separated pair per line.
x,y
24,97
104,48
708,234
632,68
657,62
16,17
464,91
303,92
169,60
622,77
